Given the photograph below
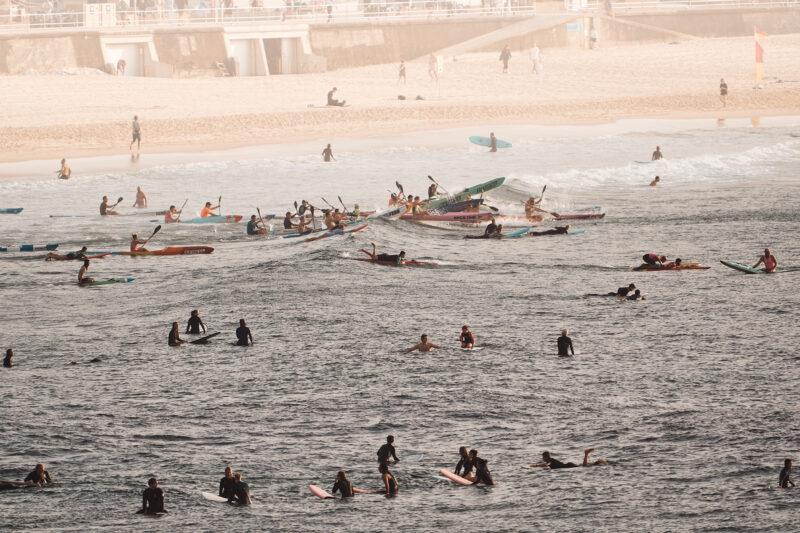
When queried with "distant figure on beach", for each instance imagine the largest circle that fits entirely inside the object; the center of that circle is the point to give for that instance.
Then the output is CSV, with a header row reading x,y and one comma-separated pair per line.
x,y
401,73
558,230
175,336
121,64
327,154
657,154
433,67
141,198
243,336
329,9
492,142
7,359
195,323
609,9
467,338
333,101
564,344
535,52
423,346
105,209
723,92
593,38
64,173
505,55
655,182
152,498
136,134
769,261
785,478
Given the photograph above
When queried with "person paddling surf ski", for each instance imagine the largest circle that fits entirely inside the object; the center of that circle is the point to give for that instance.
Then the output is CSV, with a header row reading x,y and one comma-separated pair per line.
x,y
82,279
389,482
559,230
195,323
388,258
105,209
657,154
532,206
565,344
173,215
137,245
241,491
175,336
254,229
81,254
555,464
769,261
387,451
423,346
467,338
654,259
152,498
208,211
342,484
243,335
655,181
226,484
287,221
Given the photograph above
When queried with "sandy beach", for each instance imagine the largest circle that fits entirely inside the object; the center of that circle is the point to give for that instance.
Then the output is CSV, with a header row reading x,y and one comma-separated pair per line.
x,y
54,116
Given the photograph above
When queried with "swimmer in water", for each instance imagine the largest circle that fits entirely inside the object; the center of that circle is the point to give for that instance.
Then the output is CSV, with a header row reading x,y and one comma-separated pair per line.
x,y
785,478
564,344
226,484
195,323
467,338
482,474
388,258
423,346
175,336
243,335
657,154
141,198
152,498
769,261
655,182
7,359
343,485
64,173
387,451
388,479
241,491
82,279
623,291
39,476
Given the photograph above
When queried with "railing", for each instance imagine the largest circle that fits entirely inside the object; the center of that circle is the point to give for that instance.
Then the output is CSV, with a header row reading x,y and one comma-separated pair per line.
x,y
20,20
657,5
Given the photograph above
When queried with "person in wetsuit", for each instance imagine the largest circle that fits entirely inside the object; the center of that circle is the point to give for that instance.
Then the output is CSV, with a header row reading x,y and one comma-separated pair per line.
x,y
389,258
770,263
175,336
467,338
482,474
637,295
623,291
785,478
491,229
195,323
554,464
152,498
82,279
387,451
343,485
388,479
559,230
654,259
7,359
464,462
226,484
81,254
243,336
564,344
241,491
469,464
327,154
39,476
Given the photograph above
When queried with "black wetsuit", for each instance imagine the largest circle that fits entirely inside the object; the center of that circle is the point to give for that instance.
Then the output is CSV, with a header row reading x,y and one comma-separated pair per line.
x,y
467,338
392,484
466,464
482,475
174,338
42,478
491,229
241,493
194,324
561,230
345,487
622,291
7,362
76,255
555,463
785,479
390,258
243,335
564,344
287,223
153,501
226,485
385,452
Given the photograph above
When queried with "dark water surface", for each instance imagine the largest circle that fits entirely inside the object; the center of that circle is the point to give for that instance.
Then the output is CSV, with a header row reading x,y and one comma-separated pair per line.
x,y
691,394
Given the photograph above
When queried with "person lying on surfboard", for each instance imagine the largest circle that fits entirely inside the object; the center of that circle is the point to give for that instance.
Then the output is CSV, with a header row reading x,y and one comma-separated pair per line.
x,y
655,182
531,206
653,259
39,476
558,230
467,338
195,323
343,485
389,258
52,256
555,464
636,296
226,484
770,263
241,491
482,474
243,336
623,291
175,336
388,479
423,346
152,498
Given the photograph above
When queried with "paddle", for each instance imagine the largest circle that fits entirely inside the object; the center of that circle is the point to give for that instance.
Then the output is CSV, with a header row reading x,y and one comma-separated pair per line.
x,y
219,205
158,228
327,202
180,211
259,217
116,204
438,185
400,188
341,202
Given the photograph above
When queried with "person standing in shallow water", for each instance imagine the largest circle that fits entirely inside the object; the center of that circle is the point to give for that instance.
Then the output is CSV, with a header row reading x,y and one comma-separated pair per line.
x,y
7,359
327,154
785,479
565,344
152,498
243,336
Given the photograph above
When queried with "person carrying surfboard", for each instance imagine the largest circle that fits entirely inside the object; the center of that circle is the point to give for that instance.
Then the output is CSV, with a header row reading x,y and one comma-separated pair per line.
x,y
769,261
152,498
343,485
423,345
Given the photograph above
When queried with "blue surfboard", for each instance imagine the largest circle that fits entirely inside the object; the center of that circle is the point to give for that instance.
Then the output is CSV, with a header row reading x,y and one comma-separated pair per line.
x,y
486,141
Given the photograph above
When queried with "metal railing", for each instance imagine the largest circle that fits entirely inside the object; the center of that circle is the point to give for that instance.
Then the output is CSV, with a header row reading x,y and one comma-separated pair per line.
x,y
22,20
661,5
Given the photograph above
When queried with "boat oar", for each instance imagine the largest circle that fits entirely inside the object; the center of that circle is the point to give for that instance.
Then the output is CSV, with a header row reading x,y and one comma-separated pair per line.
x,y
219,205
158,228
259,217
438,185
400,188
344,206
327,202
116,204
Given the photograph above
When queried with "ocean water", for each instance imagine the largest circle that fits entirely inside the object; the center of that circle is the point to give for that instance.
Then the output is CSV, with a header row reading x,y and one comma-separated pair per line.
x,y
691,395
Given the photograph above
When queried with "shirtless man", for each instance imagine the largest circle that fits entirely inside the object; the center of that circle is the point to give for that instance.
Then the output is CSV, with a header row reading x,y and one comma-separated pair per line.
x,y
141,198
137,245
657,154
531,206
655,182
64,173
136,133
106,209
173,215
423,346
770,263
327,154
555,464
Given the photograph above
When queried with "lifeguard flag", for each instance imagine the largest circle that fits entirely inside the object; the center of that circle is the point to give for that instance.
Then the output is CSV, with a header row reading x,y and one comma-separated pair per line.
x,y
759,36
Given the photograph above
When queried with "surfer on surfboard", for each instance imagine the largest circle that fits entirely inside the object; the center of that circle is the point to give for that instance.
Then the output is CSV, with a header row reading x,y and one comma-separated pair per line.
x,y
243,335
226,484
152,498
241,491
388,479
482,474
423,346
770,263
555,464
467,339
387,451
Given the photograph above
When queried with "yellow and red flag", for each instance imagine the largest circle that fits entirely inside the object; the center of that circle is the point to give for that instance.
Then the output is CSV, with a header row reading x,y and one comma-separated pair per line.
x,y
759,36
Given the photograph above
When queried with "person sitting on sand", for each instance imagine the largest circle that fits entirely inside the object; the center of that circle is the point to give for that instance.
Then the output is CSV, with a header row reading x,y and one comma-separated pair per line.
x,y
64,173
333,101
423,346
388,258
655,182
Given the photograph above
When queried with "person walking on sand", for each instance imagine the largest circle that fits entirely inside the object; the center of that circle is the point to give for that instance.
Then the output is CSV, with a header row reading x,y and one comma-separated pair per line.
x,y
505,55
64,173
535,58
327,154
401,73
136,134
723,92
433,68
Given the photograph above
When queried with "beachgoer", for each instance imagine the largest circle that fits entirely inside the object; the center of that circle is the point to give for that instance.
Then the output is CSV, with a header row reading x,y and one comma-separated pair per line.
x,y
654,259
64,173
391,258
195,323
723,92
623,291
505,55
655,181
467,338
389,482
333,101
173,215
423,346
7,363
482,474
343,485
141,198
327,154
433,67
137,245
226,484
593,36
492,142
770,263
175,336
564,344
253,228
82,279
558,230
657,154
241,491
152,498
387,451
785,478
121,64
535,58
39,476
401,75
208,211
136,133
243,335
105,209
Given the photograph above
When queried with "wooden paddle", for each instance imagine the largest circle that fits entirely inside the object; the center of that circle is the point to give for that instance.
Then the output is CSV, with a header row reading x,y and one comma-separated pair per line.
x,y
116,204
327,202
341,202
259,217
